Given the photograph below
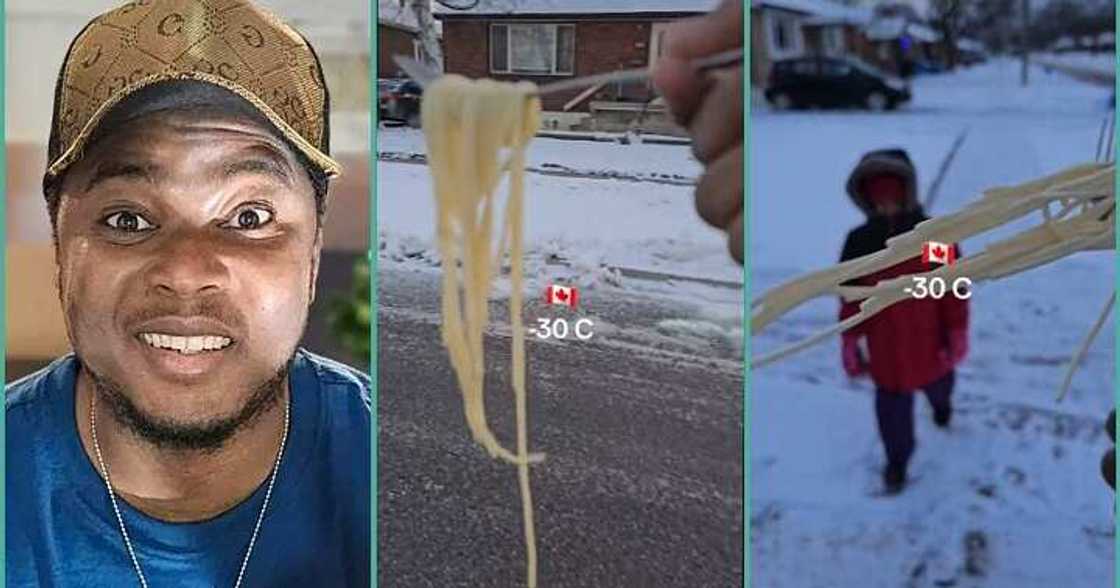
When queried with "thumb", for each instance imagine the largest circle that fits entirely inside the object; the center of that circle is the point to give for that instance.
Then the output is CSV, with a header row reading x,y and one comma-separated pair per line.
x,y
716,31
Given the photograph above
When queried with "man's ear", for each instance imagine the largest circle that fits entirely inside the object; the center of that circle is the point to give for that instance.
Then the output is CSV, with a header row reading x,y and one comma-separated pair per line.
x,y
316,252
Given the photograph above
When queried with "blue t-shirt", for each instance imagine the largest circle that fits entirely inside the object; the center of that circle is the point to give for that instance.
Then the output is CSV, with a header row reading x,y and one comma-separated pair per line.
x,y
61,530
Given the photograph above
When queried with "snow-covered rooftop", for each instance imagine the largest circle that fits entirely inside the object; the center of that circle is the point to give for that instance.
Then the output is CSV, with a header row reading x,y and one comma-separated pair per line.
x,y
820,8
893,27
922,33
841,15
514,7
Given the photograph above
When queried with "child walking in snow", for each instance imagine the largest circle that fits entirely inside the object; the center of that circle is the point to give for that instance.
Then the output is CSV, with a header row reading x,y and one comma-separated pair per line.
x,y
914,344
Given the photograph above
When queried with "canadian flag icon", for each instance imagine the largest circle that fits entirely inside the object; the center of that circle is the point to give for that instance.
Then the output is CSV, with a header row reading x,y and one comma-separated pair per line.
x,y
563,295
937,252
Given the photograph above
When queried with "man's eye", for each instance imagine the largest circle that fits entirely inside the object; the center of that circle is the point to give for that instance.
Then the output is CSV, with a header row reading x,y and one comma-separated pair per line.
x,y
251,218
128,222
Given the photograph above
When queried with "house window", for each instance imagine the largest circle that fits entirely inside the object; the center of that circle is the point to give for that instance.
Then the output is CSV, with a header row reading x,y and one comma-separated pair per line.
x,y
536,48
784,36
657,46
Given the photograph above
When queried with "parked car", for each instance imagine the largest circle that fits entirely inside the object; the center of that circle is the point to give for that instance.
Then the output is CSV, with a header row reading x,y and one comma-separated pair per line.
x,y
926,67
832,82
970,58
399,100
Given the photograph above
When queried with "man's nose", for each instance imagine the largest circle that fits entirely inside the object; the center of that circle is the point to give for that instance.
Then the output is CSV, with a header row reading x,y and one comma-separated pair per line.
x,y
187,264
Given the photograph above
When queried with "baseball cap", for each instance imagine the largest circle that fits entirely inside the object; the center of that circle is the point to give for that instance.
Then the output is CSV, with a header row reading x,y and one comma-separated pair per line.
x,y
232,45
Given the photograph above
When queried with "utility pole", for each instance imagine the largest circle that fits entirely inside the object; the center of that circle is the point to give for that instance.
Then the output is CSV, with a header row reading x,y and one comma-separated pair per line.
x,y
1025,40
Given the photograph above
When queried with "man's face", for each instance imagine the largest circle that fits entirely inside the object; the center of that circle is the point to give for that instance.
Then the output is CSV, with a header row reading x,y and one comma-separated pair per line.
x,y
188,248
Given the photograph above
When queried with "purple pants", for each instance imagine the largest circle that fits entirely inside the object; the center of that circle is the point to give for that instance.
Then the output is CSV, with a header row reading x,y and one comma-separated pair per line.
x,y
895,413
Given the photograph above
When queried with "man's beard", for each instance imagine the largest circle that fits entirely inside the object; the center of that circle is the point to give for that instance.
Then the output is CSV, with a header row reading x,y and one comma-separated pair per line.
x,y
207,436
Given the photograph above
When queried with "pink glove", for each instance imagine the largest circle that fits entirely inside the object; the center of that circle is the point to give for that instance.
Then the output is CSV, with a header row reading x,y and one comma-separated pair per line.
x,y
854,365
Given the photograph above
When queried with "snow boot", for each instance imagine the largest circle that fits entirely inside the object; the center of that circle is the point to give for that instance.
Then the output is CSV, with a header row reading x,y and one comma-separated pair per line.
x,y
894,478
941,418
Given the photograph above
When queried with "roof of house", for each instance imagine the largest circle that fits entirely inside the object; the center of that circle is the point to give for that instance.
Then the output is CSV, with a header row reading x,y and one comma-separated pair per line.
x,y
893,27
819,12
802,6
574,7
922,33
842,15
882,29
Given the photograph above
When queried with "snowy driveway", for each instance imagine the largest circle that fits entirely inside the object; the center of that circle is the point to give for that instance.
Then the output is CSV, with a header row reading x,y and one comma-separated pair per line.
x,y
1016,469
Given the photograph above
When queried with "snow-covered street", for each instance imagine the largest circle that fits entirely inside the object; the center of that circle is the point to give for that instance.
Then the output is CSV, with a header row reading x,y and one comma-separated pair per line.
x,y
641,425
1011,494
619,221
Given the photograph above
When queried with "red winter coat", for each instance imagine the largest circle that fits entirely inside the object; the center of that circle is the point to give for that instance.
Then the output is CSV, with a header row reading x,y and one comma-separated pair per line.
x,y
908,342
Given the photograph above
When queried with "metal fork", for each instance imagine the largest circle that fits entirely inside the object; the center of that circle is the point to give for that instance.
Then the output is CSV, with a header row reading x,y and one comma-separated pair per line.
x,y
424,74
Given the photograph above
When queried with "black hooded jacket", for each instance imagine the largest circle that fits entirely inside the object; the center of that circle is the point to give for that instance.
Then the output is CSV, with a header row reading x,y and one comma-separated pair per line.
x,y
907,342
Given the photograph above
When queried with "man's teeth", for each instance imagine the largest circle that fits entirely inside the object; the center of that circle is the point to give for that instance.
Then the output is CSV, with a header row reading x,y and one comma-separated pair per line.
x,y
186,345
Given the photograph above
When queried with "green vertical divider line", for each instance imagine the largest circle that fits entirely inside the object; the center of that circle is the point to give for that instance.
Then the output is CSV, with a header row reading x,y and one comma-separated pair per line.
x,y
1116,314
3,279
372,259
746,296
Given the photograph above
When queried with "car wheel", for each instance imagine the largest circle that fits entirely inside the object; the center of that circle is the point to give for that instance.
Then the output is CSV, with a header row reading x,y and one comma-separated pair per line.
x,y
782,101
876,102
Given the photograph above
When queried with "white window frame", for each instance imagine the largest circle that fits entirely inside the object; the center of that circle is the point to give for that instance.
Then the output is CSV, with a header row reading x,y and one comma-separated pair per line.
x,y
509,48
658,32
797,37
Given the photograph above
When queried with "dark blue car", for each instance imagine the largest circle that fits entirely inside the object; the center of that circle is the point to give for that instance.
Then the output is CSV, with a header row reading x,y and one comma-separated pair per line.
x,y
830,82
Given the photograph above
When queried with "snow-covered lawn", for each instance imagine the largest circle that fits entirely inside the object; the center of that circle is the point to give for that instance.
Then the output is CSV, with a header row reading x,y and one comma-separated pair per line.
x,y
591,224
1104,61
641,224
1016,467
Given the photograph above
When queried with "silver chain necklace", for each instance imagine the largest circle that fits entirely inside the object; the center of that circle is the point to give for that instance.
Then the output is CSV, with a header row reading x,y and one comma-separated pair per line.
x,y
120,519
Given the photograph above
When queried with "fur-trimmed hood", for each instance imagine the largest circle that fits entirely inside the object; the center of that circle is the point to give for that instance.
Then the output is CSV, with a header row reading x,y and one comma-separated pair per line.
x,y
894,161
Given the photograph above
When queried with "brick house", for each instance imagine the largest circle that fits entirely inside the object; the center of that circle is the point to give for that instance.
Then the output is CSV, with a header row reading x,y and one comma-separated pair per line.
x,y
838,32
897,40
776,33
544,41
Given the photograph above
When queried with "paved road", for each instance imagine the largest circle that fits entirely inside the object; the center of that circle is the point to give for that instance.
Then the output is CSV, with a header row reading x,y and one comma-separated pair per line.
x,y
642,485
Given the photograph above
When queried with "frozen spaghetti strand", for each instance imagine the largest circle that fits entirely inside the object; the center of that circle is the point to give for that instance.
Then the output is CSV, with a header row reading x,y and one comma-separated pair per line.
x,y
477,132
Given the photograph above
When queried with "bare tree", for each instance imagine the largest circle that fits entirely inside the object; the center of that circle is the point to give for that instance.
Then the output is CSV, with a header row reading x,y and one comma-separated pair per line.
x,y
430,49
990,21
1026,70
948,17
